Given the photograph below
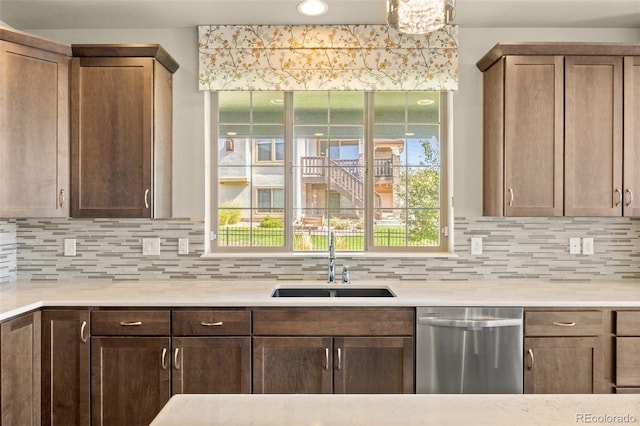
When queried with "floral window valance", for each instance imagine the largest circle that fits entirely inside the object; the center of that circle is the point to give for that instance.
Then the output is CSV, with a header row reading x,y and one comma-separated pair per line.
x,y
326,57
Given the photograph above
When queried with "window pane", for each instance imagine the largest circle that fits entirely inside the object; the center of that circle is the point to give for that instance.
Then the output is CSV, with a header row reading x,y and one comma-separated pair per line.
x,y
267,107
279,150
264,150
423,107
234,107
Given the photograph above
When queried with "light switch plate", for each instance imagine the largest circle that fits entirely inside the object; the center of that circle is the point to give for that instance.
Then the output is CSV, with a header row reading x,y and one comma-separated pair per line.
x,y
151,246
69,246
587,246
183,246
476,246
574,245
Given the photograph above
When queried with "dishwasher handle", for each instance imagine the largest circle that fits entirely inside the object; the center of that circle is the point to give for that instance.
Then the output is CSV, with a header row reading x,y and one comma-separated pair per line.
x,y
470,323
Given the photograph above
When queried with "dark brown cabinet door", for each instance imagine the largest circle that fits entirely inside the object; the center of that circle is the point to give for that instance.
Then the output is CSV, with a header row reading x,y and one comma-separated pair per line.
x,y
111,134
292,365
65,367
20,371
632,136
593,136
34,132
211,365
130,379
562,364
368,365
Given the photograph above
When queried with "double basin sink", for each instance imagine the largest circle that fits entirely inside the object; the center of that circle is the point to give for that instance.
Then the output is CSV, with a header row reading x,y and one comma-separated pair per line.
x,y
332,292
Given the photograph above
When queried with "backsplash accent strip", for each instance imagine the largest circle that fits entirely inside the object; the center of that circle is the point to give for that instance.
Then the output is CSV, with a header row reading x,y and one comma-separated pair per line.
x,y
513,248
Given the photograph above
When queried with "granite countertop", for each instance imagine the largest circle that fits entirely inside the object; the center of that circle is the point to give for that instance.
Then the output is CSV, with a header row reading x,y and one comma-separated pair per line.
x,y
17,298
407,410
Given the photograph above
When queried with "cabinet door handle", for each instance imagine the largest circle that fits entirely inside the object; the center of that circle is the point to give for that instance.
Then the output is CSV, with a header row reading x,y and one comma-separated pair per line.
x,y
176,364
326,358
130,323
212,324
510,197
531,359
618,197
164,358
630,197
61,198
339,359
83,338
564,324
146,198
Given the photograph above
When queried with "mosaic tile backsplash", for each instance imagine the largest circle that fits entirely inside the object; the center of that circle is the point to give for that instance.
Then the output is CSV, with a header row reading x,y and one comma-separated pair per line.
x,y
513,248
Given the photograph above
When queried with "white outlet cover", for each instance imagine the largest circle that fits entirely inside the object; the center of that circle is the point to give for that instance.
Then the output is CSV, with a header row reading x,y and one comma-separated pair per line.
x,y
151,246
574,246
183,246
476,246
69,246
587,246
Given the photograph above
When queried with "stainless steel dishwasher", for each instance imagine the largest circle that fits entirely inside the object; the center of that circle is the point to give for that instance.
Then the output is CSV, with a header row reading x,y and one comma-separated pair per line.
x,y
469,350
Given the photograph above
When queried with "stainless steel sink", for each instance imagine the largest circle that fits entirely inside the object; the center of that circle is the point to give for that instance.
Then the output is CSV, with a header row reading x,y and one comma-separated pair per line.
x,y
332,292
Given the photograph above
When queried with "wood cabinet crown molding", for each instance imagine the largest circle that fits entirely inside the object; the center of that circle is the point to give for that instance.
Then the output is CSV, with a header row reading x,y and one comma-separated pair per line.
x,y
154,51
29,40
557,48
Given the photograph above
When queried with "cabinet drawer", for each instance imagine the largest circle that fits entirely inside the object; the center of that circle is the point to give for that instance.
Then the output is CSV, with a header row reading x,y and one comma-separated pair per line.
x,y
628,361
211,323
335,322
131,323
563,323
628,323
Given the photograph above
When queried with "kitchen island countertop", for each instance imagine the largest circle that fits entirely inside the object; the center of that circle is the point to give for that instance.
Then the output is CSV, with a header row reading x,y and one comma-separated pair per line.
x,y
406,410
17,298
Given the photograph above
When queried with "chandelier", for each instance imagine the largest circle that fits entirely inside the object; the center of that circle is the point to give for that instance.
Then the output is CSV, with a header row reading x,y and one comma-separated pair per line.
x,y
419,16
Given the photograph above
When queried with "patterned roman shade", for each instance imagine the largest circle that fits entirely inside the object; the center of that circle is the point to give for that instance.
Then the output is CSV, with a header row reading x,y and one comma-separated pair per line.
x,y
326,57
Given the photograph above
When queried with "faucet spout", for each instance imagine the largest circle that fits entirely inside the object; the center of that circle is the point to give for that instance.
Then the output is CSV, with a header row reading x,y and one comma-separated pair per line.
x,y
332,259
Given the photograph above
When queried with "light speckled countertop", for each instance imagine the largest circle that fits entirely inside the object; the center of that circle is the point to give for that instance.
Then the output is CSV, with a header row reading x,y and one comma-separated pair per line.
x,y
18,298
406,410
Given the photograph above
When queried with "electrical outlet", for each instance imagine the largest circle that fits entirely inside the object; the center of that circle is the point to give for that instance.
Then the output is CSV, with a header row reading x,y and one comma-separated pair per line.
x,y
476,246
574,245
69,246
587,246
183,246
151,246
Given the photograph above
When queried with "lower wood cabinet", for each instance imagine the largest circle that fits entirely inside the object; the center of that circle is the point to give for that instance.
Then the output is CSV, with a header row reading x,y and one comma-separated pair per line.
x,y
65,367
130,379
627,341
333,351
20,371
565,351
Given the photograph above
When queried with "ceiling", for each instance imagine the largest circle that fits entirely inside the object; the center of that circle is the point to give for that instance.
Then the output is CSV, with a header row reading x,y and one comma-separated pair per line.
x,y
79,14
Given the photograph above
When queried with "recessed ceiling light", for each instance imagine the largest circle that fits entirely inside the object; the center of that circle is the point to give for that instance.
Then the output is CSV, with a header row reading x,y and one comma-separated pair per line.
x,y
231,133
313,7
277,101
425,102
409,134
318,134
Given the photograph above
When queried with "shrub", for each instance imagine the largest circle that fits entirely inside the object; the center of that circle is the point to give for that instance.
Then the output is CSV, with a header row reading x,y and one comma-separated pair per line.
x,y
228,214
271,222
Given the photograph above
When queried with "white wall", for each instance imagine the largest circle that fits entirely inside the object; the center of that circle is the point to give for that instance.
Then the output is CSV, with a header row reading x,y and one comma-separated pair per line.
x,y
188,155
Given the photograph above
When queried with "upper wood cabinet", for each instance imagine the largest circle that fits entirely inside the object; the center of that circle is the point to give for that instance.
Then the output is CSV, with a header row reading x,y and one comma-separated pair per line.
x,y
558,139
34,126
121,131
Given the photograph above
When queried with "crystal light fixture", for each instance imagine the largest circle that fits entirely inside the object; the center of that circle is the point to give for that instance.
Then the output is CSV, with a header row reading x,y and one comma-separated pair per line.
x,y
419,16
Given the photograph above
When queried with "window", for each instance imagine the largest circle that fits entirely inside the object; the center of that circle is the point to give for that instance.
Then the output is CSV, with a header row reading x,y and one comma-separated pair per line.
x,y
370,167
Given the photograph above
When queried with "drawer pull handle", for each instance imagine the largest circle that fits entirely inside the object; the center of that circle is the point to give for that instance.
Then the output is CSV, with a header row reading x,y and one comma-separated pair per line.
x,y
618,197
61,198
326,358
531,359
630,198
212,324
510,197
83,338
146,198
176,364
164,358
130,323
339,359
564,324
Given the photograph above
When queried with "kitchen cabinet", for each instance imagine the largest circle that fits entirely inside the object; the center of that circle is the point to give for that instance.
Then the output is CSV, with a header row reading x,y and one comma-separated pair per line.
x,y
34,126
565,351
20,340
121,131
523,100
554,148
627,341
130,366
333,351
65,367
211,351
